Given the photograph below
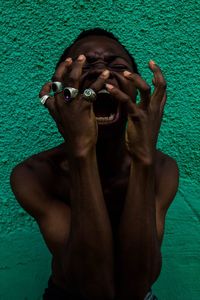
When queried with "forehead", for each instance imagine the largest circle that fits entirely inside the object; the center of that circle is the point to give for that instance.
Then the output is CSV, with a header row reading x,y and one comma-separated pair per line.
x,y
99,45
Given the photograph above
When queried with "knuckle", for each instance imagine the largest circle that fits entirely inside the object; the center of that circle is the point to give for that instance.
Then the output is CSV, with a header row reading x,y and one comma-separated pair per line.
x,y
117,94
56,77
142,114
127,98
98,85
147,88
72,78
161,83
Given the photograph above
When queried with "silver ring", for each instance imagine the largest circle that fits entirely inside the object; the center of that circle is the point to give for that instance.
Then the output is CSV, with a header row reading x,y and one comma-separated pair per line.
x,y
57,86
43,99
70,93
89,95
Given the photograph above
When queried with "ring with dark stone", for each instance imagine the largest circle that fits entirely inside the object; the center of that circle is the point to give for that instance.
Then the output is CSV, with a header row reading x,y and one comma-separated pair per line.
x,y
70,93
56,87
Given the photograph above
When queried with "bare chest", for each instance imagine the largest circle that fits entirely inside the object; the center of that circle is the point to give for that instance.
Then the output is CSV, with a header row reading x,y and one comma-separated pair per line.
x,y
114,191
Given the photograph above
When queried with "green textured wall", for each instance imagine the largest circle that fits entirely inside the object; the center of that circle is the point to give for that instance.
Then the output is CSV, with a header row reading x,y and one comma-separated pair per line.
x,y
34,34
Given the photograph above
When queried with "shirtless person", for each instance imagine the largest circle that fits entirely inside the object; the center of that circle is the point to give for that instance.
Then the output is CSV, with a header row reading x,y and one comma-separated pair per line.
x,y
100,198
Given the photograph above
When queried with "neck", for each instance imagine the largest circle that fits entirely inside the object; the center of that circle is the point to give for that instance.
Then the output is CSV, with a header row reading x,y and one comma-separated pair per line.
x,y
111,155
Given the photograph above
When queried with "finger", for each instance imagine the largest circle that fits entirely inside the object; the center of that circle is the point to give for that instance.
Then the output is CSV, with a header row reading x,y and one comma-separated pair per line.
x,y
142,86
123,98
62,70
163,103
100,82
126,86
50,102
159,83
45,90
73,78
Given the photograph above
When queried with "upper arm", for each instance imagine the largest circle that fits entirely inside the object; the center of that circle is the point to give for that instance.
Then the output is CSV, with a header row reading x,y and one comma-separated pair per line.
x,y
166,188
52,215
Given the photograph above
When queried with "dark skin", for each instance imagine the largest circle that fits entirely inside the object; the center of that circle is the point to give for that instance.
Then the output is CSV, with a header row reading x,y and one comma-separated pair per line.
x,y
100,199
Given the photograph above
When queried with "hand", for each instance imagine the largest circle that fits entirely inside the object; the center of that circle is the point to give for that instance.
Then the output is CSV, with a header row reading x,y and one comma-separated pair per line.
x,y
75,120
144,119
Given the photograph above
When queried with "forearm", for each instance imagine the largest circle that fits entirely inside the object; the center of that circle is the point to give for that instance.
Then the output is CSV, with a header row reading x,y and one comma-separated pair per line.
x,y
90,242
138,235
87,200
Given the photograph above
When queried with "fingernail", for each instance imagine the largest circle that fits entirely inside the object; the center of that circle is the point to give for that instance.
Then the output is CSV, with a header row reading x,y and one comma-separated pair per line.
x,y
105,73
127,73
81,57
109,86
152,62
68,59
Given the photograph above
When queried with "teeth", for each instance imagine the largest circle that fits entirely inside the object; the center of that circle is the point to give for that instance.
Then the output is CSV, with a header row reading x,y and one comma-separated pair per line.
x,y
103,91
105,119
112,116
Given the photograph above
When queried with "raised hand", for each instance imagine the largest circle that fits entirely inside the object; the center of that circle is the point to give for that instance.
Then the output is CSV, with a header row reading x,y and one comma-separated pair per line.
x,y
75,120
144,119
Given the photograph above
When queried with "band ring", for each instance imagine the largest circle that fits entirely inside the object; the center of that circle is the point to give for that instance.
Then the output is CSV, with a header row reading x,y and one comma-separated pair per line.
x,y
43,99
56,87
70,93
89,95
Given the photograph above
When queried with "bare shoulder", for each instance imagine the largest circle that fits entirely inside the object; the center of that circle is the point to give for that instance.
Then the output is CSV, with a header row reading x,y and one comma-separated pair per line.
x,y
36,178
42,163
167,179
37,166
42,189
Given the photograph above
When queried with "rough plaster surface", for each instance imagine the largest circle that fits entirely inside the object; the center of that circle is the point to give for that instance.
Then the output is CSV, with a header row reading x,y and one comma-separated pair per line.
x,y
34,34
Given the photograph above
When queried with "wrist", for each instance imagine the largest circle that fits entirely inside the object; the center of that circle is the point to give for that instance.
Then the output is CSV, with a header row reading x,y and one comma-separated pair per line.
x,y
80,154
143,160
142,169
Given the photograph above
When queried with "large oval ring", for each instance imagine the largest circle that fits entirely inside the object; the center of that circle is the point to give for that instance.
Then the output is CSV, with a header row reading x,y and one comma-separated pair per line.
x,y
56,87
70,93
89,95
43,99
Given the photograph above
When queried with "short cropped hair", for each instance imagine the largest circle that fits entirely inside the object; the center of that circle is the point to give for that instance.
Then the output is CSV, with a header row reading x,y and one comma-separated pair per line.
x,y
99,32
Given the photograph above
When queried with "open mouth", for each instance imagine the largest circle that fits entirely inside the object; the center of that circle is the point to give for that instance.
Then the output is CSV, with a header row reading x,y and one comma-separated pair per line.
x,y
106,109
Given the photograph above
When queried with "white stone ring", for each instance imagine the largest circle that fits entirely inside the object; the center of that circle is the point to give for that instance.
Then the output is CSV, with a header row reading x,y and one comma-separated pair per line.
x,y
43,99
70,93
89,95
56,87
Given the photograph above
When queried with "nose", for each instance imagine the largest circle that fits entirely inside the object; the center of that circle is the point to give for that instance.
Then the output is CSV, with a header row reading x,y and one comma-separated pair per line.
x,y
99,65
95,73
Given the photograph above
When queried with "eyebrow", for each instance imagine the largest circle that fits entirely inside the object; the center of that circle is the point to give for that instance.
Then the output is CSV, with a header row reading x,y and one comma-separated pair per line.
x,y
108,57
113,57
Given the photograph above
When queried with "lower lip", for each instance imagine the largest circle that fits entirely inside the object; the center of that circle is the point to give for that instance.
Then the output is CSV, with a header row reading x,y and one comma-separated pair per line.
x,y
106,121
